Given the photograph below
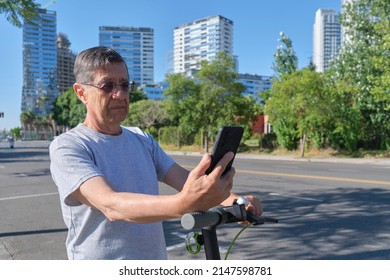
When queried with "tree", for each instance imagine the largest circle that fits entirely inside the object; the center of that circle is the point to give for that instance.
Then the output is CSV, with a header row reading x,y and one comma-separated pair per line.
x,y
68,110
213,100
361,75
27,119
16,131
41,103
16,11
277,105
381,51
181,97
146,114
137,95
286,61
299,109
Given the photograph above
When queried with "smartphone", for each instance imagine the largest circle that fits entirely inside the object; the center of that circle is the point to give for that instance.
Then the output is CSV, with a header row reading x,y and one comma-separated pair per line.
x,y
228,140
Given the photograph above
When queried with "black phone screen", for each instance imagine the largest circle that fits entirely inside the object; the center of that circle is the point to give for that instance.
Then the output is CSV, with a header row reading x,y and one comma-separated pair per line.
x,y
228,140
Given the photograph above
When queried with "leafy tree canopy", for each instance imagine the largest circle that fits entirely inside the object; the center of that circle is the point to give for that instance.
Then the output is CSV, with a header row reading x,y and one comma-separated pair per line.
x,y
18,10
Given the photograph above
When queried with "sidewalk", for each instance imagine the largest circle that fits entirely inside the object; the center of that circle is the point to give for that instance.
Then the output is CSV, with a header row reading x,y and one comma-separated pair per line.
x,y
26,144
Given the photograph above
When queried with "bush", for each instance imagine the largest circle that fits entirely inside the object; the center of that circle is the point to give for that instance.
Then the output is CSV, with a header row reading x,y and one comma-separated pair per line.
x,y
268,141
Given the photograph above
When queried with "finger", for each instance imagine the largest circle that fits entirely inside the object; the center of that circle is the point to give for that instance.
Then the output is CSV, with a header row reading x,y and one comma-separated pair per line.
x,y
221,165
230,174
251,209
254,206
202,166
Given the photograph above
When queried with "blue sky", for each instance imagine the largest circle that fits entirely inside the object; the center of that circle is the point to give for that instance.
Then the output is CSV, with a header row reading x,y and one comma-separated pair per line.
x,y
257,25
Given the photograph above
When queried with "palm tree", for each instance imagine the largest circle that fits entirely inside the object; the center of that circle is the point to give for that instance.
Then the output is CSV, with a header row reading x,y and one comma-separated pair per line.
x,y
16,11
27,118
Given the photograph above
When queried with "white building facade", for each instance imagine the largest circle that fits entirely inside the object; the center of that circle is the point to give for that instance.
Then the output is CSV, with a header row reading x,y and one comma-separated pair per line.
x,y
326,38
201,40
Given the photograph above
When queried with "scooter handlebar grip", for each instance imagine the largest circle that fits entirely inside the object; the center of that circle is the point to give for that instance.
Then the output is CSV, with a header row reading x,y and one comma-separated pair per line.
x,y
200,219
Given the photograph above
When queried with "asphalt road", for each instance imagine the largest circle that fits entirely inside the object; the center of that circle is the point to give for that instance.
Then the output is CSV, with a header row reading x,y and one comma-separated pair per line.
x,y
327,209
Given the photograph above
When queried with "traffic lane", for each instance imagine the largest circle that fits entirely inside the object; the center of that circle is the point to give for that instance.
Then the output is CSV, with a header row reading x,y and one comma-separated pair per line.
x,y
308,230
336,229
25,171
357,171
336,223
361,173
285,185
32,228
31,224
319,219
26,185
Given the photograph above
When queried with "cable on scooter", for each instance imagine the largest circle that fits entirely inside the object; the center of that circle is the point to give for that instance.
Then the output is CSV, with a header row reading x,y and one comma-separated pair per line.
x,y
235,238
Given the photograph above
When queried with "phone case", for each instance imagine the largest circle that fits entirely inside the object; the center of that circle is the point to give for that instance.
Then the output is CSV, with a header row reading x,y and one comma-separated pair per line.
x,y
228,140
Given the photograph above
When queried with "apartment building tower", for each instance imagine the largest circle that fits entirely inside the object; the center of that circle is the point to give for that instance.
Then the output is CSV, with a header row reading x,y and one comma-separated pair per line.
x,y
40,84
136,46
65,63
326,38
201,40
255,84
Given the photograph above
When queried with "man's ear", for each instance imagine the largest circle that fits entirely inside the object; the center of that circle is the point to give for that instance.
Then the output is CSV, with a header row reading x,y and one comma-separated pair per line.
x,y
80,92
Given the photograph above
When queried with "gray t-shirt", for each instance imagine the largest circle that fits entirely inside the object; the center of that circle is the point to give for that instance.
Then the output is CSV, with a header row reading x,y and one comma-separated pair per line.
x,y
130,162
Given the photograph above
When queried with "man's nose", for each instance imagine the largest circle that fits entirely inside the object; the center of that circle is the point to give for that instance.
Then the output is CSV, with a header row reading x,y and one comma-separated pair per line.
x,y
119,92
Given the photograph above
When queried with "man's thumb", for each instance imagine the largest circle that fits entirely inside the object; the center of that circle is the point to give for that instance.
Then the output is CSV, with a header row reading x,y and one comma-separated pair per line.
x,y
202,166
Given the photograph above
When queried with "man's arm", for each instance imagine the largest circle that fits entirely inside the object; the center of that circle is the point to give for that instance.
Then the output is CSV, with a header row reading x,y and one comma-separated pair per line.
x,y
177,176
198,192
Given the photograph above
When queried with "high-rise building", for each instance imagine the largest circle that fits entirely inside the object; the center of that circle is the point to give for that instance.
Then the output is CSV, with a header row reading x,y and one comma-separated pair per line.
x,y
326,38
65,63
155,91
40,86
136,46
169,62
255,84
201,40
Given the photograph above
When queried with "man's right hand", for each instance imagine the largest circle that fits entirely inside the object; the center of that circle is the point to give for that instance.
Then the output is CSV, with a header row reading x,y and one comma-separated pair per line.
x,y
201,192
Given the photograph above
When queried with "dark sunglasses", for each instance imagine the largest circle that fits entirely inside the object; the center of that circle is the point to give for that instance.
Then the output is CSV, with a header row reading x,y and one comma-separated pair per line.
x,y
108,87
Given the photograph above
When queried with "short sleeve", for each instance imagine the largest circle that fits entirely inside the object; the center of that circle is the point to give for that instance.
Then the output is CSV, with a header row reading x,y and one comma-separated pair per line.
x,y
71,164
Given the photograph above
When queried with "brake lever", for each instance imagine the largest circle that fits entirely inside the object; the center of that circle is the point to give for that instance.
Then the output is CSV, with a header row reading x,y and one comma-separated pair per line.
x,y
259,220
256,220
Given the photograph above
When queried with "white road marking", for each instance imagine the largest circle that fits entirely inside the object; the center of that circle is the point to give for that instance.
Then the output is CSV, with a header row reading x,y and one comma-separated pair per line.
x,y
27,196
297,197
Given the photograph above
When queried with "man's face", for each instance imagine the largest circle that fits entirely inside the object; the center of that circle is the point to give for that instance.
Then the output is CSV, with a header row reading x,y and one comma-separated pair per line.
x,y
104,107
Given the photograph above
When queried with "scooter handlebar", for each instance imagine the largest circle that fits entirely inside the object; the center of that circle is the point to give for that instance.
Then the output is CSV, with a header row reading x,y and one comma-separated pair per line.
x,y
223,214
219,215
200,219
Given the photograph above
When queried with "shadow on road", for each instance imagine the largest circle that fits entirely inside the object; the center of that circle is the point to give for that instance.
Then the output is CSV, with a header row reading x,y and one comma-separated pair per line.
x,y
345,224
31,232
23,154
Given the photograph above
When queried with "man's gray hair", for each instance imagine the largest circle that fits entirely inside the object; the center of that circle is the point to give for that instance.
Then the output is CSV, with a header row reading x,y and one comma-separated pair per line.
x,y
89,60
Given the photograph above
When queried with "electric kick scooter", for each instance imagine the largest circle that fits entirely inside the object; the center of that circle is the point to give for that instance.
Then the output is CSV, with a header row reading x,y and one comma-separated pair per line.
x,y
209,221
